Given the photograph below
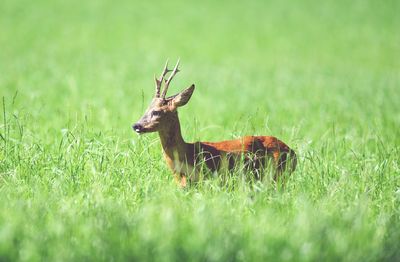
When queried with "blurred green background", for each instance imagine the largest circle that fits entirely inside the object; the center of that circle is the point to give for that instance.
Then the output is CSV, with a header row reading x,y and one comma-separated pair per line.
x,y
77,184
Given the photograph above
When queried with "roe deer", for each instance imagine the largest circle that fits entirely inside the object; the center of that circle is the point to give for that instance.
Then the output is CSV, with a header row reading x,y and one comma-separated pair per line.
x,y
184,158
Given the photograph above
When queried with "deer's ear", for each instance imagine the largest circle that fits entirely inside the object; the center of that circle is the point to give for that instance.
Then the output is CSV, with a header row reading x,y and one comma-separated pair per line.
x,y
183,97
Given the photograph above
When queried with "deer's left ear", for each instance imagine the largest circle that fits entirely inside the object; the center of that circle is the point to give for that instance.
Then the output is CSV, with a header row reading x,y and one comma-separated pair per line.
x,y
183,97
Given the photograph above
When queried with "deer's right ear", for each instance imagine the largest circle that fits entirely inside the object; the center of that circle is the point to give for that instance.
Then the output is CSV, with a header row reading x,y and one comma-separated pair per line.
x,y
183,97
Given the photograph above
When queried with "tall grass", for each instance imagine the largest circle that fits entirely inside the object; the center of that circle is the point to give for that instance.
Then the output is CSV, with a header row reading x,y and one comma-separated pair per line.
x,y
77,184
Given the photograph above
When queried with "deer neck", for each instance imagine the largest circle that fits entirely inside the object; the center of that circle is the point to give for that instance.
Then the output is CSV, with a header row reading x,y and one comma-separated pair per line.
x,y
171,138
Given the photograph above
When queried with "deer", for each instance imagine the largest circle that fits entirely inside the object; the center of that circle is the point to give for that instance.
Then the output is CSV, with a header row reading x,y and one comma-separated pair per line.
x,y
187,160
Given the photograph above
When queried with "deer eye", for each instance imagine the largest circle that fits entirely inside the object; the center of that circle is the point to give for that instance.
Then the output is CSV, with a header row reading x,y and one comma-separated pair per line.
x,y
155,113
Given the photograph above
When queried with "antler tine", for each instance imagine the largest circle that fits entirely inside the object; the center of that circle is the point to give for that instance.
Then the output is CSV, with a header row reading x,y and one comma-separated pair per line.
x,y
159,81
167,82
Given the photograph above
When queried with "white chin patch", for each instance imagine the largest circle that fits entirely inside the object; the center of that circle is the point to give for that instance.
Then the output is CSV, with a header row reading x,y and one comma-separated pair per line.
x,y
137,130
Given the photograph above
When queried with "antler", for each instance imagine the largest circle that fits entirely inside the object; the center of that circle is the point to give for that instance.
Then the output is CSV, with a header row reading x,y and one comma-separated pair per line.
x,y
159,82
167,82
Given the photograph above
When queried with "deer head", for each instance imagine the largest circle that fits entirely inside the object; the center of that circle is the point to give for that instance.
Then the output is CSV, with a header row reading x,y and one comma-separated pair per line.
x,y
161,109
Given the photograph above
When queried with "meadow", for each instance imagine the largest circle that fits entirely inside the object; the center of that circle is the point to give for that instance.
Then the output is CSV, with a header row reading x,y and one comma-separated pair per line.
x,y
77,184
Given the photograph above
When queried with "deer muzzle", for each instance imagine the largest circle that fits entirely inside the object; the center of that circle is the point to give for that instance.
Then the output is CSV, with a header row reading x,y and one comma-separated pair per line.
x,y
138,128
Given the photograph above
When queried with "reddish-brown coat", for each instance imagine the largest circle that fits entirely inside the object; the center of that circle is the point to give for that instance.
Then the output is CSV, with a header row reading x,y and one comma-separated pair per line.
x,y
257,151
186,159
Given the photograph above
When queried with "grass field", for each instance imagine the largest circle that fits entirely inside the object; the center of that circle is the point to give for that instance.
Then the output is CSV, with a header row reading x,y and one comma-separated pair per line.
x,y
77,184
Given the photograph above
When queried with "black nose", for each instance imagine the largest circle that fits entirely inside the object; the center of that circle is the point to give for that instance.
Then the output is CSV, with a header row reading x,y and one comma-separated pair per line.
x,y
137,127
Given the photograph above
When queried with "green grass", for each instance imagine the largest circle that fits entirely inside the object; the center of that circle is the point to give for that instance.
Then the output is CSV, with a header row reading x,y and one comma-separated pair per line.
x,y
77,184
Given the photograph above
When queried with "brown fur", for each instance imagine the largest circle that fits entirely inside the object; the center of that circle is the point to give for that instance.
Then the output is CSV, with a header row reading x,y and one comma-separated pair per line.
x,y
256,149
186,159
